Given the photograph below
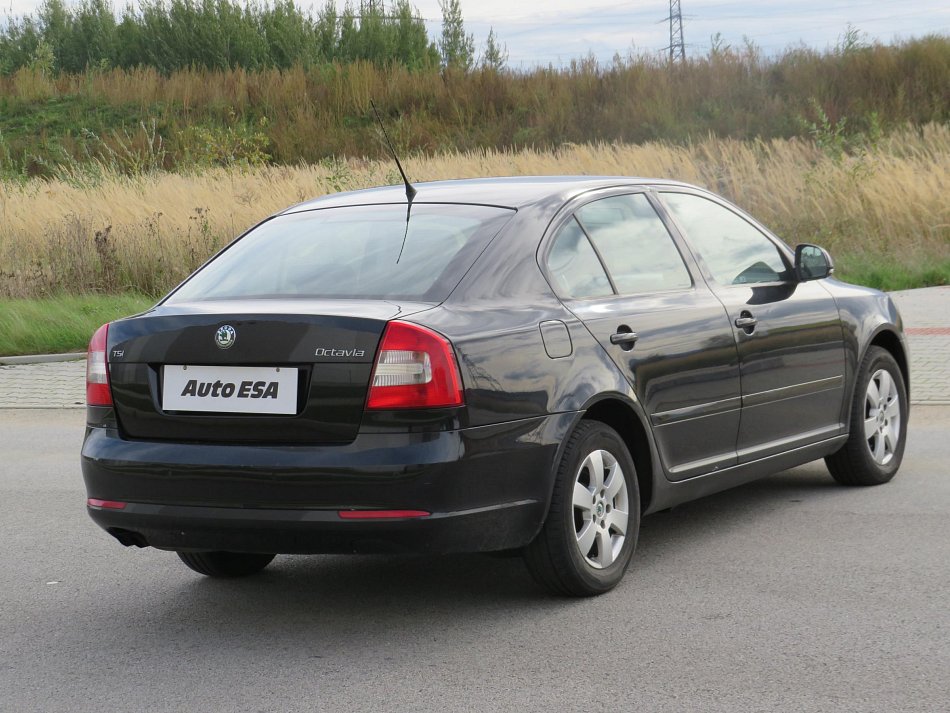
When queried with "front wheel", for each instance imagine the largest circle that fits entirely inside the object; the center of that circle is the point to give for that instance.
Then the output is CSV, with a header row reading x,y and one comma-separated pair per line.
x,y
878,427
225,564
591,529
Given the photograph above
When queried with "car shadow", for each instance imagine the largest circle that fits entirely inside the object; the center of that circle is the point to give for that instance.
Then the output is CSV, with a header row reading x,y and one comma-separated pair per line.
x,y
334,598
479,578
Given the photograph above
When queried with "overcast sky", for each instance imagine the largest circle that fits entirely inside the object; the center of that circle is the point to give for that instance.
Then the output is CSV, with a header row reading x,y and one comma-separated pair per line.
x,y
555,31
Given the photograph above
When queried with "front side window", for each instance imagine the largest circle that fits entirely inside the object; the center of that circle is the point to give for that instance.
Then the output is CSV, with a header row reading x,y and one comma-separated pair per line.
x,y
357,252
734,250
635,245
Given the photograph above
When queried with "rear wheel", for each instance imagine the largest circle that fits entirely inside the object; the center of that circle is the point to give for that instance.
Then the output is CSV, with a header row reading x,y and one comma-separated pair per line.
x,y
591,530
226,564
878,428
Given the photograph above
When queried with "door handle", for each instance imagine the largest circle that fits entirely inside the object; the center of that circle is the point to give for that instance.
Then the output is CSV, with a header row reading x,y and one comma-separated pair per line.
x,y
746,322
624,338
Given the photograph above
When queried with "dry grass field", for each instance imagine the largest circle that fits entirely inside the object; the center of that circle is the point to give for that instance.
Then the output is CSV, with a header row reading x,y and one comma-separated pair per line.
x,y
882,210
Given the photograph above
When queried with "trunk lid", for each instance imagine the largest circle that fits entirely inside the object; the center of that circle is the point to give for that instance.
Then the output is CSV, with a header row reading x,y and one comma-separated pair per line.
x,y
264,371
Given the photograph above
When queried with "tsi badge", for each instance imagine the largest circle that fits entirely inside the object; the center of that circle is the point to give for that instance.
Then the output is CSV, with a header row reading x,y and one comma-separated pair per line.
x,y
225,336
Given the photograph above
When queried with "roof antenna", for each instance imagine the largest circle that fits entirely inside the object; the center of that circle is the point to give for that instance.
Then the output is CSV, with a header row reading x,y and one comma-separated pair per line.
x,y
410,189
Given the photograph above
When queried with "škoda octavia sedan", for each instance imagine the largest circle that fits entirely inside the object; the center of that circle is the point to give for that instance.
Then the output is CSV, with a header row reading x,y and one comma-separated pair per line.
x,y
526,364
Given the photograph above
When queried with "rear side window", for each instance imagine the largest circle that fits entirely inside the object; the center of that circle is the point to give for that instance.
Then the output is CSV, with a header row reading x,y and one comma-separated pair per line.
x,y
636,247
734,250
574,267
352,252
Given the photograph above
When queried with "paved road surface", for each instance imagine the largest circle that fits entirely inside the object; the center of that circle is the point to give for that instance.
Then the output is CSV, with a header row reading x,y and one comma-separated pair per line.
x,y
790,594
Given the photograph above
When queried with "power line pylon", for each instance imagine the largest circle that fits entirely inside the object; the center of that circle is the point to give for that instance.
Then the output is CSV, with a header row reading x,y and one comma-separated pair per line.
x,y
677,46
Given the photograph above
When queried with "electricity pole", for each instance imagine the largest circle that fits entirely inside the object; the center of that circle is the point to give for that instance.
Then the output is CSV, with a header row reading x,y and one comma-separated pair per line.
x,y
677,46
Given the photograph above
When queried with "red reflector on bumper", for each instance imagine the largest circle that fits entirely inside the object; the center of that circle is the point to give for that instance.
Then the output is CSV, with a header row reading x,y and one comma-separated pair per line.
x,y
110,504
380,514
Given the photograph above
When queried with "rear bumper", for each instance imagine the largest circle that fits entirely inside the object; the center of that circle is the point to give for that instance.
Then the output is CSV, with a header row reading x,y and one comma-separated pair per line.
x,y
290,531
485,488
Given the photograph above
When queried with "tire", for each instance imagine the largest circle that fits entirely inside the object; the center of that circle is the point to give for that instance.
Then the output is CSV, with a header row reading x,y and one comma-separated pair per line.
x,y
583,549
226,564
878,425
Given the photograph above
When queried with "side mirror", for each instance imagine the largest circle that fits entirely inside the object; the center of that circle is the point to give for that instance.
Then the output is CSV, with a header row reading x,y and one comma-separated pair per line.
x,y
812,262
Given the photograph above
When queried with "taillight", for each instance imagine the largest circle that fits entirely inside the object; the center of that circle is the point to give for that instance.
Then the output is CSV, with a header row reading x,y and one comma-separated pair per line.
x,y
415,368
97,369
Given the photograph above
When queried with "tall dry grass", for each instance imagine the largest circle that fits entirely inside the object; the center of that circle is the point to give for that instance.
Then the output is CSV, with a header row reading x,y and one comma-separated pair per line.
x,y
887,205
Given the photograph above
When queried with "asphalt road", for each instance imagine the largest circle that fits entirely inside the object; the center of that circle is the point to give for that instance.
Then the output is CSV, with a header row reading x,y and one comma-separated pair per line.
x,y
789,594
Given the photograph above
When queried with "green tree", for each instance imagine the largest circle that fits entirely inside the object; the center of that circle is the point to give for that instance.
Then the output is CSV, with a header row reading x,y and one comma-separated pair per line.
x,y
496,55
19,43
43,59
326,31
347,47
412,45
457,47
56,22
289,34
374,37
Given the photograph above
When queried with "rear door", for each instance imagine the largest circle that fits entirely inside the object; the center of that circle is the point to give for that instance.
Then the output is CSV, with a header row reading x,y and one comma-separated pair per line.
x,y
788,333
618,269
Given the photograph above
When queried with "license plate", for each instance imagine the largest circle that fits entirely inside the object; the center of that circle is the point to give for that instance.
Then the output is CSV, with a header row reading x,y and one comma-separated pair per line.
x,y
230,389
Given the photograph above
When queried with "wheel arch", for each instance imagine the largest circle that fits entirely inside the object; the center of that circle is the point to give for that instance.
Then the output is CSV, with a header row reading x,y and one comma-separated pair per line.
x,y
616,412
888,339
855,462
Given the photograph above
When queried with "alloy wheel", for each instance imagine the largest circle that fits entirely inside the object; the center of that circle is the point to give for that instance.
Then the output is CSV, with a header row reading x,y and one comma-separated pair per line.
x,y
882,416
601,509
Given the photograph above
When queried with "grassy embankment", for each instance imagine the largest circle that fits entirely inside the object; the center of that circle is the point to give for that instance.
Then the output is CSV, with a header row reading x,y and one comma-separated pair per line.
x,y
55,325
139,120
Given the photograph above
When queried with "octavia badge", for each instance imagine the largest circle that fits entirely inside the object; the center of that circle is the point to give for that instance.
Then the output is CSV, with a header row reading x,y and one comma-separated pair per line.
x,y
225,336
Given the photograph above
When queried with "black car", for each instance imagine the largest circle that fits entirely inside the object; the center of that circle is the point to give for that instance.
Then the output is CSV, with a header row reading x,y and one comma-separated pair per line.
x,y
509,364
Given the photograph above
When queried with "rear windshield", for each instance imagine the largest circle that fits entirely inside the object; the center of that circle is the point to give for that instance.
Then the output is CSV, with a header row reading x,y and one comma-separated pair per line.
x,y
351,252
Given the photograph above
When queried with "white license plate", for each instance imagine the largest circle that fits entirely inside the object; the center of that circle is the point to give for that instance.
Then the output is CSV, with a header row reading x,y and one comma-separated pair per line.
x,y
230,389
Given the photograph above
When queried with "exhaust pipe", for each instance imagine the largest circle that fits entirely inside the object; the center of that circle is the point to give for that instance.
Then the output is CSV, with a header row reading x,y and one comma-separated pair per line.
x,y
128,537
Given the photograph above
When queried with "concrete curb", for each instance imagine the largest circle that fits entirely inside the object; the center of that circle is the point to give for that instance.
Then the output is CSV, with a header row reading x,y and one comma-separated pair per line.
x,y
42,358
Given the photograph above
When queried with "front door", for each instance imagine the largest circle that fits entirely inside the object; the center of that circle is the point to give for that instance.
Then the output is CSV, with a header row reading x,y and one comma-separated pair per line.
x,y
788,333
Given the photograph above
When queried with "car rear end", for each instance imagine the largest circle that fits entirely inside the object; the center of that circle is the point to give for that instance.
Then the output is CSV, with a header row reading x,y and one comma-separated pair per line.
x,y
289,398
